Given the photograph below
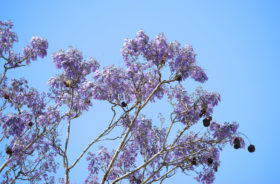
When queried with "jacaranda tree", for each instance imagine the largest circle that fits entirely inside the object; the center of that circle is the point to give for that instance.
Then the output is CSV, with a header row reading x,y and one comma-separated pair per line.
x,y
32,147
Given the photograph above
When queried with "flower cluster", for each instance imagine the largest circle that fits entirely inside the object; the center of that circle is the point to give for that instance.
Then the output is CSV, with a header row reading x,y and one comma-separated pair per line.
x,y
73,65
112,84
116,85
97,162
7,37
189,109
206,177
182,61
31,154
37,47
222,131
72,86
19,94
146,140
14,124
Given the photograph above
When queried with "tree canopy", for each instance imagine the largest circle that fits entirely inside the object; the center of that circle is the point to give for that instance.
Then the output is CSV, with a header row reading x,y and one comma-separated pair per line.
x,y
146,153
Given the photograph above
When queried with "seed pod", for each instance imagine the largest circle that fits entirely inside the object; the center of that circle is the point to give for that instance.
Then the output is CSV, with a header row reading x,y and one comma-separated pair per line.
x,y
216,168
123,104
68,83
193,161
251,148
6,96
30,123
9,151
206,121
236,146
236,143
178,78
209,161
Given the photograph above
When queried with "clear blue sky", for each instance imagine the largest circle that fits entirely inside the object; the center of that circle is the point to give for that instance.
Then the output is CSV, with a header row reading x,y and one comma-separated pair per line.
x,y
237,43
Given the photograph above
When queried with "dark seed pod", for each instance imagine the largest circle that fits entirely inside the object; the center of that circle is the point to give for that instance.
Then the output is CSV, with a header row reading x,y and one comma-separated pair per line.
x,y
193,161
123,104
206,121
236,141
6,96
216,168
9,151
209,161
67,83
87,101
30,123
251,148
236,146
178,78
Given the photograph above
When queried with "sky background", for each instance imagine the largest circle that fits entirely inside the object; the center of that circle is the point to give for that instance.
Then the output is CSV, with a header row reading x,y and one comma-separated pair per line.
x,y
237,43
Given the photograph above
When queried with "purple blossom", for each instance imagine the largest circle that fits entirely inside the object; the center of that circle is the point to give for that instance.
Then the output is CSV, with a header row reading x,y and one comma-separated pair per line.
x,y
73,65
206,177
112,84
222,131
198,74
13,124
7,37
117,85
37,47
